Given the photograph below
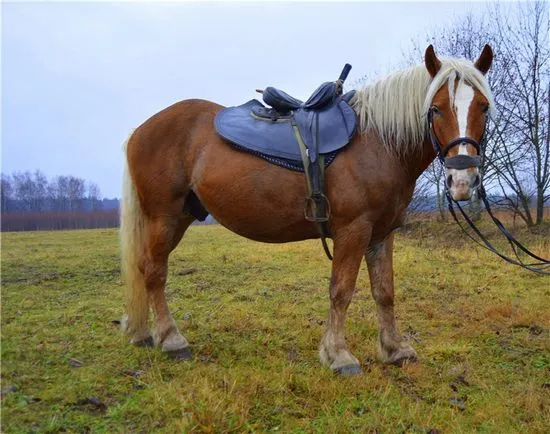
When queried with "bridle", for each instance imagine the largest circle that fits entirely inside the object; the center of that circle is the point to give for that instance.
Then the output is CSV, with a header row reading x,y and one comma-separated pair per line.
x,y
461,162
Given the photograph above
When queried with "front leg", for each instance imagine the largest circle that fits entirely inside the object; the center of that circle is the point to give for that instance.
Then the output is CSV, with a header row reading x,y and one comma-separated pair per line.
x,y
379,257
349,246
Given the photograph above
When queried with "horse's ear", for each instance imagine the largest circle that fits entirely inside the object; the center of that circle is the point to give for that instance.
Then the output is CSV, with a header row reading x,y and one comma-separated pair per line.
x,y
483,63
433,64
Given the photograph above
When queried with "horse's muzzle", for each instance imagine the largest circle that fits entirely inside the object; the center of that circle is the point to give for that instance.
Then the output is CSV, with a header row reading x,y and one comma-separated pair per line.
x,y
462,183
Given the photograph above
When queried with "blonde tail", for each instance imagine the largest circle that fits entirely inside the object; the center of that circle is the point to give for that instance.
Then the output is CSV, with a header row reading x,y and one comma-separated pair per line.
x,y
132,224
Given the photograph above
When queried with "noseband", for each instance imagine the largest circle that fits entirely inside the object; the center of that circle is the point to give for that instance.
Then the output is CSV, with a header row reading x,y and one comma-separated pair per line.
x,y
459,162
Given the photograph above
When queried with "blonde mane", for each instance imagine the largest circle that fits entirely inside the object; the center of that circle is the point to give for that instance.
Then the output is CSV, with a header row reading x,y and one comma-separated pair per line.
x,y
396,106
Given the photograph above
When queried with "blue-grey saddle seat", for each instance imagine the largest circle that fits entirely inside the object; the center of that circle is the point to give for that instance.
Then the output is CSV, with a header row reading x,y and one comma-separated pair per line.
x,y
268,132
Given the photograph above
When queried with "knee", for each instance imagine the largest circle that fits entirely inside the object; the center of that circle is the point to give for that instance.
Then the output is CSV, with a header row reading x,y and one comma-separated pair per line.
x,y
384,299
341,299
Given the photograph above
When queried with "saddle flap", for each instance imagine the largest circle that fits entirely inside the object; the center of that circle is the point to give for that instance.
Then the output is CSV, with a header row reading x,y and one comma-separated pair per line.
x,y
337,125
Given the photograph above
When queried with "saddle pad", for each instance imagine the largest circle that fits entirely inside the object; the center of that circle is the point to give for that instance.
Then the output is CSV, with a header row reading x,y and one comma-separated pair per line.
x,y
337,125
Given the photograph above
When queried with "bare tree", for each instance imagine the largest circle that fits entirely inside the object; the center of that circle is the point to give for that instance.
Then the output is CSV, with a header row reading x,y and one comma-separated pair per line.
x,y
6,193
522,128
24,189
75,193
435,176
422,199
59,193
39,188
93,196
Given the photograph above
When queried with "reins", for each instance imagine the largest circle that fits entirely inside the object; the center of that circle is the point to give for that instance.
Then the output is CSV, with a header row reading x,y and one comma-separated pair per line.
x,y
461,162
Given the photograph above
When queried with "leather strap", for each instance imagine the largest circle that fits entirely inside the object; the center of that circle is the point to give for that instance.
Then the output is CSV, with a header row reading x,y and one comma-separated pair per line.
x,y
537,267
315,181
459,162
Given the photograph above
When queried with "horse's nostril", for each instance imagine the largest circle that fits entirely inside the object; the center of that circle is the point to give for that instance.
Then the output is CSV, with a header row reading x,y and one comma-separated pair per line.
x,y
449,181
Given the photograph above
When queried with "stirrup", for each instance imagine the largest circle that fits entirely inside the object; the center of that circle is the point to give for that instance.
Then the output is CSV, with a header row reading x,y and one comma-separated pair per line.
x,y
312,207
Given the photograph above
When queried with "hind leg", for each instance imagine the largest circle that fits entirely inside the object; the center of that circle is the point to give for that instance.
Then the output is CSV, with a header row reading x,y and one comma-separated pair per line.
x,y
162,236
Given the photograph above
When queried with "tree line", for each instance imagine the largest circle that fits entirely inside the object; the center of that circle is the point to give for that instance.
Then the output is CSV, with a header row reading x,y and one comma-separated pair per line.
x,y
31,201
32,191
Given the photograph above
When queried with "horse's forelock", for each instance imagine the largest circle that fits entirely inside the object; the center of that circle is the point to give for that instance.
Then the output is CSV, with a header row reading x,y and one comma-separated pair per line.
x,y
465,71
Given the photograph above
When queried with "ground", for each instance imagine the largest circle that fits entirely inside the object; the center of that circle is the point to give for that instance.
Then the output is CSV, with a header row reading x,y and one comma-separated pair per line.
x,y
254,314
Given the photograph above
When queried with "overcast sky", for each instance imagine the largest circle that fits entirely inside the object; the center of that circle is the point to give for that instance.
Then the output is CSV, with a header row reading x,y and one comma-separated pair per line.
x,y
78,77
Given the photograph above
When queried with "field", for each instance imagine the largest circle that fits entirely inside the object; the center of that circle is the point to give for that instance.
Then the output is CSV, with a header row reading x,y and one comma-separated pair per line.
x,y
254,314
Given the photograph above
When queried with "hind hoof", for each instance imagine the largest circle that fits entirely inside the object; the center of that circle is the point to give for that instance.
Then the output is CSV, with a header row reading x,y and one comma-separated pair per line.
x,y
145,343
181,354
349,370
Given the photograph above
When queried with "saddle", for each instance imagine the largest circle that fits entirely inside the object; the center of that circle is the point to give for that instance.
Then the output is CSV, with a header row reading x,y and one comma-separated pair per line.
x,y
296,135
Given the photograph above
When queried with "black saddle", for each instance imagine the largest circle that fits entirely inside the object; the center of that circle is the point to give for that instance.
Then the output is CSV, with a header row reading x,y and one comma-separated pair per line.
x,y
325,123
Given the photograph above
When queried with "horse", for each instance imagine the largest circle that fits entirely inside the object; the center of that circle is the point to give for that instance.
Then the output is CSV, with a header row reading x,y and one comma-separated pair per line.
x,y
175,161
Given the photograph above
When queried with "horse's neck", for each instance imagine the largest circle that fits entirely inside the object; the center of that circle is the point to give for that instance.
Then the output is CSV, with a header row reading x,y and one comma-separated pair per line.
x,y
416,165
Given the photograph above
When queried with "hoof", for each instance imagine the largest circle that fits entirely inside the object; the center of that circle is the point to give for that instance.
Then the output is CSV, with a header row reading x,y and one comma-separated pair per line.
x,y
349,370
403,360
399,358
181,354
145,343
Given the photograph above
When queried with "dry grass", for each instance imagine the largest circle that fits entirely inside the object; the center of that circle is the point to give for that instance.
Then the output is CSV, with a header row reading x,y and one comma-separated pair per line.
x,y
254,314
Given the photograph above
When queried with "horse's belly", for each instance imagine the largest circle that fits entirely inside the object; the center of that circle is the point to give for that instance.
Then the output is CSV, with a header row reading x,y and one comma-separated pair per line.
x,y
266,205
262,222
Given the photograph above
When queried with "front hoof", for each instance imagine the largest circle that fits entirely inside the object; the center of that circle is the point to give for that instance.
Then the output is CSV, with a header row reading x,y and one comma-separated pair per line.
x,y
180,355
402,356
349,370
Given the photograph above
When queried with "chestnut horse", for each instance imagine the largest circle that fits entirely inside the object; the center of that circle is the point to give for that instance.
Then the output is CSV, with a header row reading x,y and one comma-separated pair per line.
x,y
175,159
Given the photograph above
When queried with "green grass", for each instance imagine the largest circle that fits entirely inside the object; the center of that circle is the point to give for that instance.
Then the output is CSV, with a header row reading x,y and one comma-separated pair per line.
x,y
254,314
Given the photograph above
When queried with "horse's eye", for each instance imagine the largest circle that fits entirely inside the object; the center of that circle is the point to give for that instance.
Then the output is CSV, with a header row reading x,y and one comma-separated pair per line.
x,y
435,110
486,109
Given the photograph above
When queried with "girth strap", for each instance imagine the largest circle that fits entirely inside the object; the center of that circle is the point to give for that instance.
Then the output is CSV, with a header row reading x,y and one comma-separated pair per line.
x,y
317,205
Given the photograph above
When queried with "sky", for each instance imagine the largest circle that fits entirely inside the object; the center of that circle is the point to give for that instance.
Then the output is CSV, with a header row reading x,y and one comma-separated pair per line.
x,y
78,77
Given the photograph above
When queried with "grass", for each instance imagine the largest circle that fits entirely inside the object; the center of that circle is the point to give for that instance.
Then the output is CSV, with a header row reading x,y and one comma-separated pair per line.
x,y
255,314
